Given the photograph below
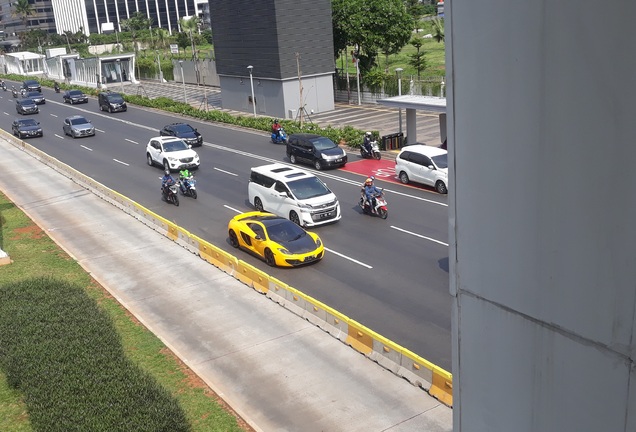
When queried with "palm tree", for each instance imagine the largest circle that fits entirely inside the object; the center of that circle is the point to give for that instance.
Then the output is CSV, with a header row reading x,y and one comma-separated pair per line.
x,y
162,37
438,30
23,9
189,25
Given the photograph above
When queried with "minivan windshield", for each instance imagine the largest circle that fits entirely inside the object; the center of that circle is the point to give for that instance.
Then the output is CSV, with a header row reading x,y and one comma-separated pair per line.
x,y
309,187
323,143
441,161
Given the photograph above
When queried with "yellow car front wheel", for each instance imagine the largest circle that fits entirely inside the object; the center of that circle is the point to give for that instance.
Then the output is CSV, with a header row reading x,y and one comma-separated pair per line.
x,y
269,258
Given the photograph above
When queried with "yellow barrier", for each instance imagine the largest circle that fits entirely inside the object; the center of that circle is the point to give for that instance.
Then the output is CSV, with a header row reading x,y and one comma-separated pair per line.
x,y
251,276
388,354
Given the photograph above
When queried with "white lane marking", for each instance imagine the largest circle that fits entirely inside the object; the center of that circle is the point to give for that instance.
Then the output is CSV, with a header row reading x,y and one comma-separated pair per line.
x,y
87,148
131,141
52,115
419,235
239,152
6,113
226,172
349,258
60,137
233,209
99,130
120,162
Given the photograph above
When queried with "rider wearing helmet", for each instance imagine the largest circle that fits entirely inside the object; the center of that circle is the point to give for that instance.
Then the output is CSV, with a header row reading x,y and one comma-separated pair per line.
x,y
166,180
370,192
276,128
366,143
184,174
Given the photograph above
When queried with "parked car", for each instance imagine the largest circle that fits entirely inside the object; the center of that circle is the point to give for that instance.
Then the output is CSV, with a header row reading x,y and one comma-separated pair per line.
x,y
292,193
315,150
74,97
26,106
26,128
171,153
31,85
184,131
277,240
78,126
111,102
37,97
423,164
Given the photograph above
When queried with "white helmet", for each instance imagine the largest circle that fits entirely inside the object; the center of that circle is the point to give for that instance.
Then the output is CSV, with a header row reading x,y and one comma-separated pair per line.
x,y
368,134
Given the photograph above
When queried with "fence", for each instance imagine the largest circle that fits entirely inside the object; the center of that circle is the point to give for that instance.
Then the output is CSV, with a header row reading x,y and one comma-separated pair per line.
x,y
347,91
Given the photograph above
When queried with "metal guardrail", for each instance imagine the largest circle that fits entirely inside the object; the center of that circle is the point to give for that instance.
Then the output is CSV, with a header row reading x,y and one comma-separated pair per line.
x,y
393,357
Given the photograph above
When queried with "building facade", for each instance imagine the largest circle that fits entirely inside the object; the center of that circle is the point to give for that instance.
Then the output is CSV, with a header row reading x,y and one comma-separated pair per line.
x,y
42,17
288,43
90,15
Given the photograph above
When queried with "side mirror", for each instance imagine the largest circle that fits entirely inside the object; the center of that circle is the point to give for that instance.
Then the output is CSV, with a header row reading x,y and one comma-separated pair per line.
x,y
189,146
431,167
258,237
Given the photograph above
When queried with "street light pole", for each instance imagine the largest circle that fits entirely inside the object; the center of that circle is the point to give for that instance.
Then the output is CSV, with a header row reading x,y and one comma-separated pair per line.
x,y
159,61
250,67
398,71
185,99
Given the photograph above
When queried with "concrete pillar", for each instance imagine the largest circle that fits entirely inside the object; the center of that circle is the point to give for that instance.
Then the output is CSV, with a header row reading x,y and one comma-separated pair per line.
x,y
411,125
542,210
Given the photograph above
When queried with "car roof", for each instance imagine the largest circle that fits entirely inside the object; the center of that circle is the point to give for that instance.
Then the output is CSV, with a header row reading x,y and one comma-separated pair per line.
x,y
425,150
306,135
75,117
165,139
282,172
25,100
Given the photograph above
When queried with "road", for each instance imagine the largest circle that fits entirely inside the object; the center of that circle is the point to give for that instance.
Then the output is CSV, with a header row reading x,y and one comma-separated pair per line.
x,y
390,275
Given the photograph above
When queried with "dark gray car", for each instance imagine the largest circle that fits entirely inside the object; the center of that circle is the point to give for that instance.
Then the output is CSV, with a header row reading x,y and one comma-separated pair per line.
x,y
26,127
37,97
77,126
315,150
26,106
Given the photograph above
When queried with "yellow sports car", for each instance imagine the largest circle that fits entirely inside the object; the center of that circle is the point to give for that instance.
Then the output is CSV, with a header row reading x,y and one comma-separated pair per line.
x,y
279,241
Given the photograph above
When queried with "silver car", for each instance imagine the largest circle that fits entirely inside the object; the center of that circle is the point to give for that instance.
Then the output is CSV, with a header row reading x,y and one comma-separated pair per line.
x,y
77,126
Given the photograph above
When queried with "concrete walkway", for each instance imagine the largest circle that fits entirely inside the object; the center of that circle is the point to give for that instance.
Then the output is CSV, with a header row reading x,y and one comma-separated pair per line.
x,y
277,370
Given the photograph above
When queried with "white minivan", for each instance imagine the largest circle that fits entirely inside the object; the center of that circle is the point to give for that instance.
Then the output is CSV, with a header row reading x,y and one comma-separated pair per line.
x,y
423,164
292,193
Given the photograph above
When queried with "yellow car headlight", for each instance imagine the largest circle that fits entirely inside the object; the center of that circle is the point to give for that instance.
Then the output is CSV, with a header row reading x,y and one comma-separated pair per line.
x,y
318,242
284,251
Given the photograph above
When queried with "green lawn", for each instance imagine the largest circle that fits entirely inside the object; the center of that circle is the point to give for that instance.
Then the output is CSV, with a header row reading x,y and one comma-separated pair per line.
x,y
28,312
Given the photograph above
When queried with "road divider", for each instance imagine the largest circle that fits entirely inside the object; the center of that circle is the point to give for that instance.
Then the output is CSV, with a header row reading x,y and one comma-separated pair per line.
x,y
393,357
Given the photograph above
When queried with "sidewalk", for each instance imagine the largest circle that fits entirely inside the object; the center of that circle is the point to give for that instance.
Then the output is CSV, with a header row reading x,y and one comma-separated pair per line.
x,y
277,370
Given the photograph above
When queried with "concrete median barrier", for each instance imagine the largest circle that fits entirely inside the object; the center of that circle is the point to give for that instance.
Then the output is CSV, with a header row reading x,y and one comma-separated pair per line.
x,y
393,357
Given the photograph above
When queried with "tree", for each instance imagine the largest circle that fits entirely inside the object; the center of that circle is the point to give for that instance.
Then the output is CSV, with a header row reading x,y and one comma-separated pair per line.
x,y
417,60
438,30
138,21
370,26
23,9
162,37
189,25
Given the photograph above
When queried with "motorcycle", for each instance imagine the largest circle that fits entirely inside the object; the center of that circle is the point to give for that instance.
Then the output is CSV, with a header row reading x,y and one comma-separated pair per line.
x,y
280,138
375,151
56,87
187,186
169,193
380,205
3,85
14,92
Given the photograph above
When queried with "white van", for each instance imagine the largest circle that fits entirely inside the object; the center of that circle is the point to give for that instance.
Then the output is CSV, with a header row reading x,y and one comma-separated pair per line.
x,y
423,164
292,193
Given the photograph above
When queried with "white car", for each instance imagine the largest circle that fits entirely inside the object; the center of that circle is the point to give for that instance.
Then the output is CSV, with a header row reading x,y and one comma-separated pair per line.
x,y
171,153
423,164
294,194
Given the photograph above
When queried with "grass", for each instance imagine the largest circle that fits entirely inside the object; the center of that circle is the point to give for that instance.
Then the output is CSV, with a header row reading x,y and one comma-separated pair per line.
x,y
38,262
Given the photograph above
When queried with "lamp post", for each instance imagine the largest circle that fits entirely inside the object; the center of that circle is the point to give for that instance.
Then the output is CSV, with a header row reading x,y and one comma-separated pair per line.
x,y
159,61
250,67
398,71
185,99
121,78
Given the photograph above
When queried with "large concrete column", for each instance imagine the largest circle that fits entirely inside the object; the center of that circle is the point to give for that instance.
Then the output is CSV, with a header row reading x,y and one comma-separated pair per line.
x,y
543,214
411,125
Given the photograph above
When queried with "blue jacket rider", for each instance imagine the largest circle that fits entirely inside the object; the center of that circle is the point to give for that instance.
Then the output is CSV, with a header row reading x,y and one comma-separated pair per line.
x,y
166,180
370,191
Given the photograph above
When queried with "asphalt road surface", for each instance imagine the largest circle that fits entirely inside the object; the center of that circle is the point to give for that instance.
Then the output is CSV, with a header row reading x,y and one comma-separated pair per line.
x,y
390,275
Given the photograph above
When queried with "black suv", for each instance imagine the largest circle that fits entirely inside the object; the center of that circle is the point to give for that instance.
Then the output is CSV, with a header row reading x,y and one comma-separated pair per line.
x,y
31,85
184,131
111,102
315,150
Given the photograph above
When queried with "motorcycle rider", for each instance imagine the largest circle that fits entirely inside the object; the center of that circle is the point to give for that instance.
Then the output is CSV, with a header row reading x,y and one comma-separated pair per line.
x,y
184,176
370,192
166,181
366,143
56,86
276,127
3,85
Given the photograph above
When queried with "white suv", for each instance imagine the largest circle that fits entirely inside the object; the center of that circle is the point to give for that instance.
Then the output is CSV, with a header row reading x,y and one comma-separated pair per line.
x,y
171,153
423,164
292,193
